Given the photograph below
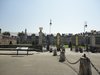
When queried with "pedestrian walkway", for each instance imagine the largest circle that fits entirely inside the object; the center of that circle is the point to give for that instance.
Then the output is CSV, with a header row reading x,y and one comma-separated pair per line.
x,y
36,64
42,63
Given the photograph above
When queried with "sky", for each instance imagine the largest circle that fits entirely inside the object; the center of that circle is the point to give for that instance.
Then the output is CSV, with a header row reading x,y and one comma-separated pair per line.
x,y
68,16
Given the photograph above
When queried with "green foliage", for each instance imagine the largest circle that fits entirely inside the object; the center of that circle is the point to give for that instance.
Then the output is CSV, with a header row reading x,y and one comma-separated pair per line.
x,y
21,34
66,46
6,33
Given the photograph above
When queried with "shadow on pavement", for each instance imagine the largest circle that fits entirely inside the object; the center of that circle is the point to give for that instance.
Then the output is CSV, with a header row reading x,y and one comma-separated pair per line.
x,y
71,67
17,56
14,54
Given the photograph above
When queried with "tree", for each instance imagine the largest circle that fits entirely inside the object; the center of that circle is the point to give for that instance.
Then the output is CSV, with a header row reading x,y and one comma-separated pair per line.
x,y
6,33
33,39
21,36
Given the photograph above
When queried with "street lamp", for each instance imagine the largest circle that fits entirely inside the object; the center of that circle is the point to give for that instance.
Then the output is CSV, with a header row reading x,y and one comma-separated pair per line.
x,y
49,37
86,40
50,25
85,26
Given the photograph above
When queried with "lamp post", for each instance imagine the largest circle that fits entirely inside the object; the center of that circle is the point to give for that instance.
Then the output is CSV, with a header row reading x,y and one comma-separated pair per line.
x,y
86,41
50,25
49,37
50,32
85,26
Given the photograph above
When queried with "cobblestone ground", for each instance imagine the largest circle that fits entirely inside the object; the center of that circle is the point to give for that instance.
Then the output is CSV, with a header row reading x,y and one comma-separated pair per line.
x,y
43,63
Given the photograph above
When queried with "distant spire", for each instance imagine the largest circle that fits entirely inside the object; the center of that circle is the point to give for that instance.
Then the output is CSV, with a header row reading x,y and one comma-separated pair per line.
x,y
25,34
25,31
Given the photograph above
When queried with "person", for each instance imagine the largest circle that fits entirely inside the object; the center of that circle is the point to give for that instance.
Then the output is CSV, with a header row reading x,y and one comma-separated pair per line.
x,y
80,49
70,45
48,47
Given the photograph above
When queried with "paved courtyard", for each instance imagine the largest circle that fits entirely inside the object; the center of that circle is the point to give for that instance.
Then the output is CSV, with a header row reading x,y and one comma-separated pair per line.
x,y
43,63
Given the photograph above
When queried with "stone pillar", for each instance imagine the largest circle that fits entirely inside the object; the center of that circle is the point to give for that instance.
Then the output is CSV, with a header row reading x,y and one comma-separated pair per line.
x,y
85,66
40,39
76,47
76,40
55,52
25,37
92,40
62,56
58,42
40,36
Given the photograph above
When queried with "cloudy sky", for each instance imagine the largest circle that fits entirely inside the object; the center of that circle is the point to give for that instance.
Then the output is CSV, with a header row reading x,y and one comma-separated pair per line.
x,y
68,16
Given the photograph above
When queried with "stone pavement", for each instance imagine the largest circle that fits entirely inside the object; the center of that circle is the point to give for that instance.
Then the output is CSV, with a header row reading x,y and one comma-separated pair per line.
x,y
45,63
